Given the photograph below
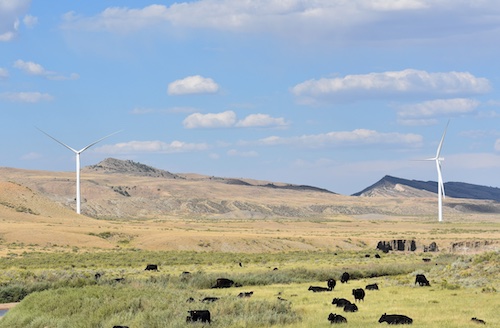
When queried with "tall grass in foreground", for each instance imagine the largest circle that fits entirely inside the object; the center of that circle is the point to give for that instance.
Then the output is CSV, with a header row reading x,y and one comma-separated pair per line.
x,y
152,307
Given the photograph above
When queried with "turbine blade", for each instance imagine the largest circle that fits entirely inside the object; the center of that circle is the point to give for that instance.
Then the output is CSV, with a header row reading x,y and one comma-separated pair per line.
x,y
60,142
442,140
90,145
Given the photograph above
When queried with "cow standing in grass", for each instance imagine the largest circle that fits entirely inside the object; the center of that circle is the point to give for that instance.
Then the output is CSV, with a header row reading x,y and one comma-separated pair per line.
x,y
359,294
345,277
421,280
331,283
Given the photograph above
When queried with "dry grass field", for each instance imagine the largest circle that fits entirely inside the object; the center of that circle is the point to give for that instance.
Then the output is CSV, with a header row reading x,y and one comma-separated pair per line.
x,y
207,214
133,220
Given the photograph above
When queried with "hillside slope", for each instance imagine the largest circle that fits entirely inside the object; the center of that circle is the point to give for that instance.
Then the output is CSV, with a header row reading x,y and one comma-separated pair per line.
x,y
125,189
390,186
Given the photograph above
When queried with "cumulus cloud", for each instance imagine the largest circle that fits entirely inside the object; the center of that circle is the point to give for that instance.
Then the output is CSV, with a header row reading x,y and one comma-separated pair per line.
x,y
356,137
192,85
228,119
28,97
335,20
156,146
423,113
33,68
390,84
261,120
218,120
10,12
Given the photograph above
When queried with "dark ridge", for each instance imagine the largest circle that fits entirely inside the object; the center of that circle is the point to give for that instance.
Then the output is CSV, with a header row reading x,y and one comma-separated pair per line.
x,y
451,189
113,165
297,187
237,182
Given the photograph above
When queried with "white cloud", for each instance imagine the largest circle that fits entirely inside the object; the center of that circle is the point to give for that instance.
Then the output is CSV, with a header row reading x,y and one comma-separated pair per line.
x,y
346,138
192,85
151,147
219,120
10,11
390,84
30,67
3,73
30,97
261,120
336,20
439,107
33,68
228,119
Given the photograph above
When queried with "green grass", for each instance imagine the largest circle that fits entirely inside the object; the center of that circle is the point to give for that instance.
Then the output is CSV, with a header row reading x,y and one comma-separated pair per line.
x,y
59,290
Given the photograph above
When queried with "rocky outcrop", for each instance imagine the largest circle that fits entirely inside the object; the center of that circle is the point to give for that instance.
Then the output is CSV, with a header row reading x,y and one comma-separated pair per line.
x,y
403,245
113,165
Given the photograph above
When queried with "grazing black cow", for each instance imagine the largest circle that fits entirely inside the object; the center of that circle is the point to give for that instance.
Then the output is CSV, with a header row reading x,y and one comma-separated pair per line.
x,y
245,294
210,299
421,280
151,267
317,289
359,294
351,307
345,277
223,283
377,256
426,259
331,283
340,302
119,279
476,320
395,319
120,326
336,318
367,255
371,287
198,315
97,276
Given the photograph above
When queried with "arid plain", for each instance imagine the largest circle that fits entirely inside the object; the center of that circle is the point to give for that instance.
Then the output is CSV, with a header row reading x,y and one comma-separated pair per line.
x,y
136,208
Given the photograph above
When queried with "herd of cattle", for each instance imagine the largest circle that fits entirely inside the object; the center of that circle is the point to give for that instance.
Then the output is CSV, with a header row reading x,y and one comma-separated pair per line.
x,y
204,316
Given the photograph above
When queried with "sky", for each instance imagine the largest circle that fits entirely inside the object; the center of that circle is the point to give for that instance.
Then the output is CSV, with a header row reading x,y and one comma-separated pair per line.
x,y
330,93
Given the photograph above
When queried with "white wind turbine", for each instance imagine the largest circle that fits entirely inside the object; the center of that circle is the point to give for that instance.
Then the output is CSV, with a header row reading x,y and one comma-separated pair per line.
x,y
78,152
438,160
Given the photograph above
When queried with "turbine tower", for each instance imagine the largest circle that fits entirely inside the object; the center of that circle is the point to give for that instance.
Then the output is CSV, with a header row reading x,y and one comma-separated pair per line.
x,y
78,152
438,160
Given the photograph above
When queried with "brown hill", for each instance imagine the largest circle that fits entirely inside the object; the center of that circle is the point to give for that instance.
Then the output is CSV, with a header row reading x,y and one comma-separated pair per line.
x,y
160,210
126,189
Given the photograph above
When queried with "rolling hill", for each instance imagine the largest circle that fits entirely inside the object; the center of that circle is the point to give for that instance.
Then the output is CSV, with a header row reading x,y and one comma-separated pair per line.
x,y
126,189
390,186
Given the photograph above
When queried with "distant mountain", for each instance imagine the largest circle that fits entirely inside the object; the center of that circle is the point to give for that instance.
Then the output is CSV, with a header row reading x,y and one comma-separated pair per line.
x,y
113,165
390,186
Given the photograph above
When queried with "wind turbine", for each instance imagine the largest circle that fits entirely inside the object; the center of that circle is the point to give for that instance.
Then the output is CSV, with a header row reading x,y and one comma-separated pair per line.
x,y
438,160
78,152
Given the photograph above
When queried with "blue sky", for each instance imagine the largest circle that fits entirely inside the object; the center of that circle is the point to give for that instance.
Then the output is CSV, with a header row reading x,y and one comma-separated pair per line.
x,y
329,93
